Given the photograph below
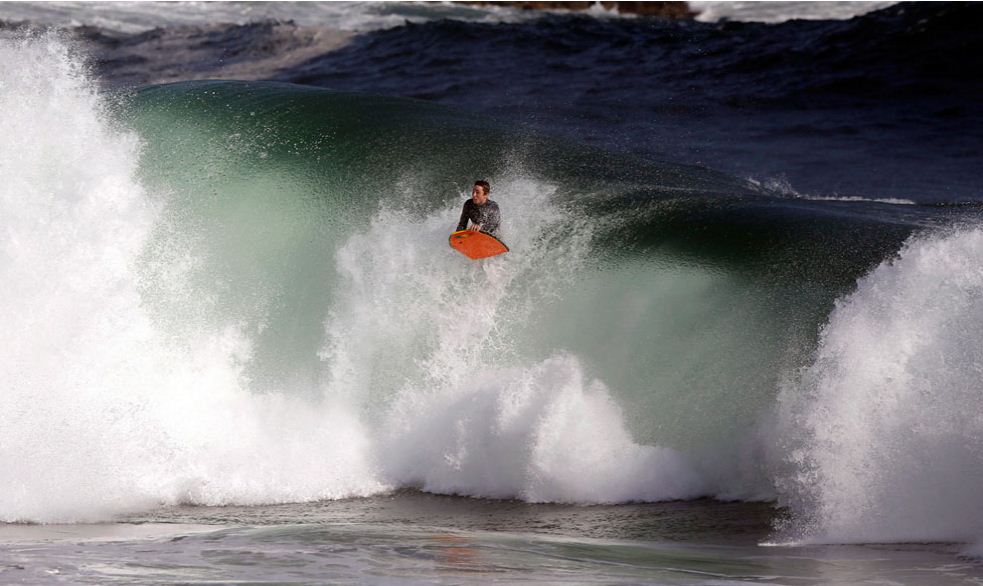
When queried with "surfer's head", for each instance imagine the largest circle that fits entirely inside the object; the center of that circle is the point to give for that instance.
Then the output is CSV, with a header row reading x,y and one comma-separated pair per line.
x,y
479,194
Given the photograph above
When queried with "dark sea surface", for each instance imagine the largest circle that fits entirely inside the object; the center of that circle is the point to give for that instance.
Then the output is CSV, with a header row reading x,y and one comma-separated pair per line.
x,y
885,105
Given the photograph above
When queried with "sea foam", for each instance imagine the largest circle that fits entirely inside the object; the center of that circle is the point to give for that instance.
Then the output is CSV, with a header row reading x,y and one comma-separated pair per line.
x,y
100,411
430,335
883,436
106,410
543,433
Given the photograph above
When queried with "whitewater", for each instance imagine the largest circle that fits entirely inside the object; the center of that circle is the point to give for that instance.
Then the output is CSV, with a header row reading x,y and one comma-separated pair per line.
x,y
137,416
102,412
206,306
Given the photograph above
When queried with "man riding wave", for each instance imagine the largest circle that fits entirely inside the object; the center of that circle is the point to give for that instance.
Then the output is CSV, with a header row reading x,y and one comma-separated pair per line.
x,y
482,212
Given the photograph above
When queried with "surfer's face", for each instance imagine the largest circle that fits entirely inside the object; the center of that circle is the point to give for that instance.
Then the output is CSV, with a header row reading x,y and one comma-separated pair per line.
x,y
478,195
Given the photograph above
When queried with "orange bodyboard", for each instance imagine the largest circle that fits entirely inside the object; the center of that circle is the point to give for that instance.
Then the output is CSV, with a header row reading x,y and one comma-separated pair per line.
x,y
475,245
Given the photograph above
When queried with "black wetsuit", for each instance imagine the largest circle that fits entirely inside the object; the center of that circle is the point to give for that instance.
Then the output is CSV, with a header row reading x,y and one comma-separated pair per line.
x,y
487,216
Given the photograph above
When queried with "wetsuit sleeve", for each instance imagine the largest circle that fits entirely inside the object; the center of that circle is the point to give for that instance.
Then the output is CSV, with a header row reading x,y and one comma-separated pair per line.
x,y
463,223
492,220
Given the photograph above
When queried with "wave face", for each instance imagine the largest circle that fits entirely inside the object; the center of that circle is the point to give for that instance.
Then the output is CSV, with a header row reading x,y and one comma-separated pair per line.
x,y
241,292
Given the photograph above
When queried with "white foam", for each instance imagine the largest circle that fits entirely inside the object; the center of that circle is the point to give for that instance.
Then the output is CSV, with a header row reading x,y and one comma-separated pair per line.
x,y
428,337
103,412
100,413
782,186
887,200
542,433
883,435
776,12
136,17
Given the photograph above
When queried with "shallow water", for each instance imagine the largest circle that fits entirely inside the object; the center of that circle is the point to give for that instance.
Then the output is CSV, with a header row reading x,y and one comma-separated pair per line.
x,y
420,538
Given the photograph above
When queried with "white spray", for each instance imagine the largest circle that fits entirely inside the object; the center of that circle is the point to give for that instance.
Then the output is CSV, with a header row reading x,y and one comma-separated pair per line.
x,y
98,414
102,412
884,433
429,337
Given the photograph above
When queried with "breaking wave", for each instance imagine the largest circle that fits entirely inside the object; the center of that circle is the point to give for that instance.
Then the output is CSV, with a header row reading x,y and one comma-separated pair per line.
x,y
230,292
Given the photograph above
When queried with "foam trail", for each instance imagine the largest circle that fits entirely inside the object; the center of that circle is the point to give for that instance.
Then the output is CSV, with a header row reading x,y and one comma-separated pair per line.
x,y
783,187
883,435
430,337
99,413
888,200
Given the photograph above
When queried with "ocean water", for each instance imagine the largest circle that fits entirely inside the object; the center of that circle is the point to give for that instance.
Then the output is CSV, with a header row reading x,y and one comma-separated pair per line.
x,y
736,339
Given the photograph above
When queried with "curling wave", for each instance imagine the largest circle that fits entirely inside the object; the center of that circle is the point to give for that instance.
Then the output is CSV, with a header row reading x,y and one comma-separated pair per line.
x,y
229,292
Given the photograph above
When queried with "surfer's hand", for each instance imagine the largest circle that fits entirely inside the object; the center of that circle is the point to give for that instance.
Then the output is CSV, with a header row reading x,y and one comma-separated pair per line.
x,y
475,228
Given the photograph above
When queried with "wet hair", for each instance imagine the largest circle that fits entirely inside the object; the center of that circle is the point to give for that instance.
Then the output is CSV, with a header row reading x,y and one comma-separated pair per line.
x,y
484,185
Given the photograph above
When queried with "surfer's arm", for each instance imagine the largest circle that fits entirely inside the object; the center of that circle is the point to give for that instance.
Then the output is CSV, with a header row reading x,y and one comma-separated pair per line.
x,y
463,223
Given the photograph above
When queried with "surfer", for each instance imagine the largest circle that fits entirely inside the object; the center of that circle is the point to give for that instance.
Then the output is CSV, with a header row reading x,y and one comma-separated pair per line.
x,y
482,212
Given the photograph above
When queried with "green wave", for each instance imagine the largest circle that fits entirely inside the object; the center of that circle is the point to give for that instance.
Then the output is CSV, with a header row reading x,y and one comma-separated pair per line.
x,y
696,293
